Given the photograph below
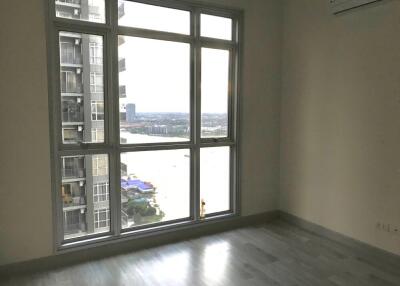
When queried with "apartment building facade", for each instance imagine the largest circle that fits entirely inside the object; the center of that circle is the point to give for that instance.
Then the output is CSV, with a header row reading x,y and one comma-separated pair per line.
x,y
85,179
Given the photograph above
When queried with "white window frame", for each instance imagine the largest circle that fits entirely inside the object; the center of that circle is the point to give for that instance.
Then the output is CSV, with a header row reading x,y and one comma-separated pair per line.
x,y
94,17
63,133
99,165
73,50
96,82
63,14
95,114
95,53
67,75
98,221
112,146
96,138
98,194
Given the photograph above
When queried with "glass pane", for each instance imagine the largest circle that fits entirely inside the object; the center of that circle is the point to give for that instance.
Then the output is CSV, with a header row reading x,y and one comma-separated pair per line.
x,y
156,79
214,92
155,187
214,179
86,10
85,195
216,27
138,15
82,88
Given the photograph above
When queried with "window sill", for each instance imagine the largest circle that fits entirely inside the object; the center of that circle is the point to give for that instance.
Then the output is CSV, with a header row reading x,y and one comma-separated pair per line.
x,y
146,233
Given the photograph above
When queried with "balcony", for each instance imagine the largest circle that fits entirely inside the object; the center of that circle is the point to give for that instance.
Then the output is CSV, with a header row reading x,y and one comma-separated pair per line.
x,y
72,117
77,2
121,10
72,89
71,135
124,218
121,40
122,91
95,10
70,202
73,173
72,140
74,223
71,60
122,116
124,169
121,65
69,3
71,80
71,229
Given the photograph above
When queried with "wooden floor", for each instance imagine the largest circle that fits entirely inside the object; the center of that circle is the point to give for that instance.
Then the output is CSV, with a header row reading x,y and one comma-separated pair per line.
x,y
273,254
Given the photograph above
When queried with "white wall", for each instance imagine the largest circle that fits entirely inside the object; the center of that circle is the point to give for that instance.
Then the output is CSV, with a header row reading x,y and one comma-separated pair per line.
x,y
25,198
25,194
340,118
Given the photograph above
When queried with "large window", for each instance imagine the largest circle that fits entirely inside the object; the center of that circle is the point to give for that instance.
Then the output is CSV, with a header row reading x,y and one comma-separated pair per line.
x,y
161,91
144,116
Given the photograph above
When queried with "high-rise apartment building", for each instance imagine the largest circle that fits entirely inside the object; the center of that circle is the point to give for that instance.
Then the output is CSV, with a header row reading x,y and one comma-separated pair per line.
x,y
85,179
130,112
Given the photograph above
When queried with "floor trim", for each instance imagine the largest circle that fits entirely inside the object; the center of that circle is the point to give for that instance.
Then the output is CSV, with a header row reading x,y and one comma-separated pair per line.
x,y
361,249
74,257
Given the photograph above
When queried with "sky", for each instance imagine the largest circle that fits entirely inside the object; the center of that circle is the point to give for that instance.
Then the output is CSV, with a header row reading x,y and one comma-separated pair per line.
x,y
157,75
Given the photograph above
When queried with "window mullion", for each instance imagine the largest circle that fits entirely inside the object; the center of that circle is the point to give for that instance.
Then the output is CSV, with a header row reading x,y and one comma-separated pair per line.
x,y
197,115
231,89
57,134
235,120
114,139
151,34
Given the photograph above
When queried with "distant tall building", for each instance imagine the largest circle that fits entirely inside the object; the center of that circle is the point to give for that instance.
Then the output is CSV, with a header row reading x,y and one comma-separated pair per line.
x,y
130,112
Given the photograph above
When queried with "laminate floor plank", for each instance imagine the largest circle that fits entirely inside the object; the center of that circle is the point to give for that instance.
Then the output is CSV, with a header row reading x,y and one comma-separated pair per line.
x,y
273,254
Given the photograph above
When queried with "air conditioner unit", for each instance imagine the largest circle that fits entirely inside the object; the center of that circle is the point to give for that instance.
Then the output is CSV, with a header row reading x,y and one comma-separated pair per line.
x,y
340,6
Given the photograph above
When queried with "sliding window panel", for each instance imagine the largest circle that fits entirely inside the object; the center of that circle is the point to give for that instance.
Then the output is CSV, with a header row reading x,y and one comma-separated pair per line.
x,y
85,195
215,179
85,10
144,16
155,187
216,27
81,88
155,78
214,93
